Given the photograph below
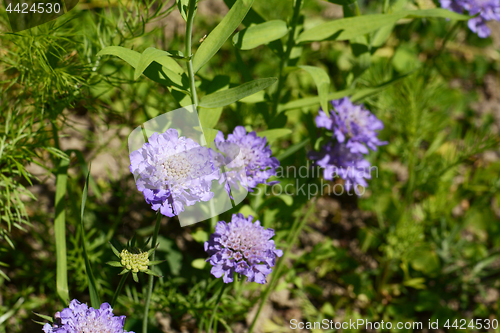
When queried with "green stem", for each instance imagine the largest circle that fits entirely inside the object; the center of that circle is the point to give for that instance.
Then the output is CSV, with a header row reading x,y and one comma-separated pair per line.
x,y
151,277
294,235
212,318
357,12
284,60
189,32
119,288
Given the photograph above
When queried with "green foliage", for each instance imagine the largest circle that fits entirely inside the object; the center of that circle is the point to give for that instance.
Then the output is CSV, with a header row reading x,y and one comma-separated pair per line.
x,y
422,242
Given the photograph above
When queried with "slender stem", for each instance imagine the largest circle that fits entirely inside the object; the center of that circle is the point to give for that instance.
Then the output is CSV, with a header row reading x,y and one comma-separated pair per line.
x,y
189,32
284,60
294,235
221,291
357,12
151,277
119,288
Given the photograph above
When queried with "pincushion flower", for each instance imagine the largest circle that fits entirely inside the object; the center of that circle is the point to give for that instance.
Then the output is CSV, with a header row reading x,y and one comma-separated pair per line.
x,y
488,10
338,160
352,124
247,159
173,172
79,318
244,247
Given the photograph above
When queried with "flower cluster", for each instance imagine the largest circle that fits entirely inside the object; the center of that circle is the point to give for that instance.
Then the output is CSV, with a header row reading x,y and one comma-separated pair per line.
x,y
247,159
79,318
355,129
244,247
488,10
173,171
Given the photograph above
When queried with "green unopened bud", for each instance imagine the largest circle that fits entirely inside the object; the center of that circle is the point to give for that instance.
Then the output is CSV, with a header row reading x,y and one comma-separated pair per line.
x,y
134,262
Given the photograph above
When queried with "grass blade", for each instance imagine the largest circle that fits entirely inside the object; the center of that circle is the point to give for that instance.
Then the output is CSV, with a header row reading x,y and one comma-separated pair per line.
x,y
60,231
94,296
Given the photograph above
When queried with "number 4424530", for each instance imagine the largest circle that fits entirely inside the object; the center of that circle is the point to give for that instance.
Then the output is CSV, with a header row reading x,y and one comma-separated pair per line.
x,y
461,324
22,8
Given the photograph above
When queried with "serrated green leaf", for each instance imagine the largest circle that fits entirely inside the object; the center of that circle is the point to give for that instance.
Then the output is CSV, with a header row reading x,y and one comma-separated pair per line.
x,y
221,33
322,81
260,34
274,134
60,231
229,96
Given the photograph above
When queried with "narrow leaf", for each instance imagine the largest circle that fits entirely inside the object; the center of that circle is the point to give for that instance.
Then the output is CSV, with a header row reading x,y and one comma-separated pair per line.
x,y
348,28
130,56
94,296
60,231
322,81
273,134
221,33
260,34
293,149
152,54
311,101
47,318
115,251
114,263
229,96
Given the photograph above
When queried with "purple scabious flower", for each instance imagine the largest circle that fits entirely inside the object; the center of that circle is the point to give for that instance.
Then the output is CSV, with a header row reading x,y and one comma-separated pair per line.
x,y
352,124
243,247
173,172
488,10
79,318
338,160
247,159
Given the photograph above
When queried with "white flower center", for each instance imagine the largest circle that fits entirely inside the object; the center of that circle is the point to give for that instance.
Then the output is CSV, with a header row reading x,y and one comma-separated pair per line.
x,y
176,169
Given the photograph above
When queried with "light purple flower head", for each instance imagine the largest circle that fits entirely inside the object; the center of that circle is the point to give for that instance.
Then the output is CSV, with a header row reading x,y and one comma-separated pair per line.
x,y
488,10
247,159
338,160
243,247
80,318
353,125
173,172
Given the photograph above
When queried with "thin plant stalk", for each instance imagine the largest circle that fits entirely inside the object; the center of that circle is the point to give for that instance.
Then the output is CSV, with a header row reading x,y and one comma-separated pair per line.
x,y
212,318
151,277
119,288
294,235
284,61
189,33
